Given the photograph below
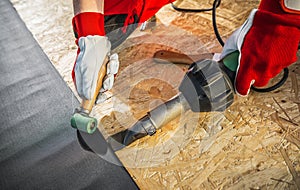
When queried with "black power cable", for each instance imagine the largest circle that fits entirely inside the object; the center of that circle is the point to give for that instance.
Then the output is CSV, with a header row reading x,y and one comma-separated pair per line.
x,y
216,4
214,21
193,10
275,86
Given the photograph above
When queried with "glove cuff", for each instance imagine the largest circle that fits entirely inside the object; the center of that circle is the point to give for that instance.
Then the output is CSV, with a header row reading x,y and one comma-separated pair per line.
x,y
88,23
277,7
272,12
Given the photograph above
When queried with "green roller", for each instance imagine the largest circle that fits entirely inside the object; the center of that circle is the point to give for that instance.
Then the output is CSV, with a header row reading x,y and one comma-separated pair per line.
x,y
84,123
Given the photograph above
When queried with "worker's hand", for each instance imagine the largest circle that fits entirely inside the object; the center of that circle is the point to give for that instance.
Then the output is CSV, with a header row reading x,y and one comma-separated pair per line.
x,y
267,43
93,51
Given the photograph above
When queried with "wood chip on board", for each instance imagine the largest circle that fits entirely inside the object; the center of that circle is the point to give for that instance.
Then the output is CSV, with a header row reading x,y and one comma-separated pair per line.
x,y
288,162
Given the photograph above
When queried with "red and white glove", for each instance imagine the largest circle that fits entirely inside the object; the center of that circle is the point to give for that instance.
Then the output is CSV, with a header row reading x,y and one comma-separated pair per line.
x,y
93,48
267,43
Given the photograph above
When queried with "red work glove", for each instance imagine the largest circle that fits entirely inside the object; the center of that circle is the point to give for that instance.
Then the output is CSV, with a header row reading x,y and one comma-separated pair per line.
x,y
267,43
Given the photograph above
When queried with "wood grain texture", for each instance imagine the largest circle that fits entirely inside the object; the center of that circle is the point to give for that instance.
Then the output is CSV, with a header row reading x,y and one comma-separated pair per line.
x,y
237,149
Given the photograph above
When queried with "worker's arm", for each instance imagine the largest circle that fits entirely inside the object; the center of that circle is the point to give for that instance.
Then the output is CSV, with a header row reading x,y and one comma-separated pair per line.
x,y
81,6
267,43
93,48
93,45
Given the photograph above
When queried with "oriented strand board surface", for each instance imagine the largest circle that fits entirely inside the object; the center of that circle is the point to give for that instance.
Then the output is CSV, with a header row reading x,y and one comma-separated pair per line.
x,y
253,145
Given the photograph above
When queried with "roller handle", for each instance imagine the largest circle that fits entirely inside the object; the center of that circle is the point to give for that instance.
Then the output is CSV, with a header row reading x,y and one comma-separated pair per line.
x,y
88,104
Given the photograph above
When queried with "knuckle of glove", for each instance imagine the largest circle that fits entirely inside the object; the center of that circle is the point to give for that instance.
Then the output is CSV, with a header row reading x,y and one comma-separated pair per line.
x,y
107,83
112,69
113,65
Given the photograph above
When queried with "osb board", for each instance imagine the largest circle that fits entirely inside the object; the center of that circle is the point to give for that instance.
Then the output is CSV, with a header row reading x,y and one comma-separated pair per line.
x,y
253,145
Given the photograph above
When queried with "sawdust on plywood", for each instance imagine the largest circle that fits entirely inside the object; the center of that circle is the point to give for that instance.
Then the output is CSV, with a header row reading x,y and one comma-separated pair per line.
x,y
241,148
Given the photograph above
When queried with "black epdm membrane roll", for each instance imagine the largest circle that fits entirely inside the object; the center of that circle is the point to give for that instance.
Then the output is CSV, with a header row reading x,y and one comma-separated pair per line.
x,y
38,148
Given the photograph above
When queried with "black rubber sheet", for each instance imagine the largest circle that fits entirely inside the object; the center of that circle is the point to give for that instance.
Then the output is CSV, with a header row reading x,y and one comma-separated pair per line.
x,y
38,148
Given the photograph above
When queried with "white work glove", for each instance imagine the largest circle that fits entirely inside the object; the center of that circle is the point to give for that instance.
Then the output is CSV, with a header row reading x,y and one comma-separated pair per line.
x,y
92,54
235,41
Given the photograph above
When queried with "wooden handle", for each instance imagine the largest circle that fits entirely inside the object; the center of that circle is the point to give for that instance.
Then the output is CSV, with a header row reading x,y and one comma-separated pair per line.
x,y
88,104
179,58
